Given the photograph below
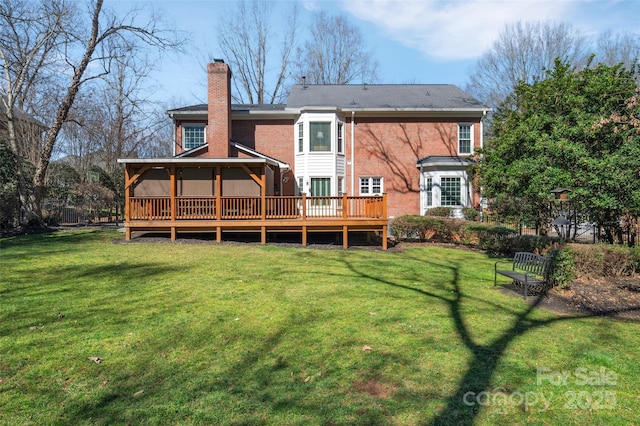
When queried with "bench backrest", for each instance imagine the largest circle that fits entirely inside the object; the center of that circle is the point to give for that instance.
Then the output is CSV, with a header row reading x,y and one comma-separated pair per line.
x,y
531,262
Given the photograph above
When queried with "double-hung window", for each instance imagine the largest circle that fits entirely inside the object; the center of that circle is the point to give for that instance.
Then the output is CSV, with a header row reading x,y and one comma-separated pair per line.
x,y
319,137
300,137
464,139
193,135
370,185
428,183
340,143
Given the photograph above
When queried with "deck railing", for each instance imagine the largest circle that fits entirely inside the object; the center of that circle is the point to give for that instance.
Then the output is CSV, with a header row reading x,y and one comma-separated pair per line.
x,y
246,208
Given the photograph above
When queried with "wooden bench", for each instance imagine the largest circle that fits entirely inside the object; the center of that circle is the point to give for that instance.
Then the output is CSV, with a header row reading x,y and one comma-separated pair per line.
x,y
529,270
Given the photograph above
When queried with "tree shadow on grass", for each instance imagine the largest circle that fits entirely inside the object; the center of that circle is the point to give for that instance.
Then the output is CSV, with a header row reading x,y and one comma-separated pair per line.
x,y
484,357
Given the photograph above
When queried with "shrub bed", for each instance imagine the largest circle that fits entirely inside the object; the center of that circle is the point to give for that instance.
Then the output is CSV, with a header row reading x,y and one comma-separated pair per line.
x,y
496,240
604,260
569,261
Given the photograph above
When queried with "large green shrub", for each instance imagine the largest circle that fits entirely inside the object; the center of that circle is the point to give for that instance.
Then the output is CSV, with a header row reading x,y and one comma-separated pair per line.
x,y
469,213
563,267
440,211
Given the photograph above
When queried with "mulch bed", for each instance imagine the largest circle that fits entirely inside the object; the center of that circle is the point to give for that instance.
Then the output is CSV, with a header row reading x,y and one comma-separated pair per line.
x,y
611,297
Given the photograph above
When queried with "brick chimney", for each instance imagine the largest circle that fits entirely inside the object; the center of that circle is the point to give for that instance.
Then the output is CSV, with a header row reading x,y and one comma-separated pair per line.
x,y
219,110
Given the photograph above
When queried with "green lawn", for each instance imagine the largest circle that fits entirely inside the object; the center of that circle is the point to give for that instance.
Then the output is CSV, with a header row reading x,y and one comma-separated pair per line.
x,y
250,334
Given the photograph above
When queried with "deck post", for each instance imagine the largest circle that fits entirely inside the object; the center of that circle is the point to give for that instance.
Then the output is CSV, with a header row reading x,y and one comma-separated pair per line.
x,y
344,206
304,206
174,234
384,237
218,234
263,235
384,205
345,237
304,235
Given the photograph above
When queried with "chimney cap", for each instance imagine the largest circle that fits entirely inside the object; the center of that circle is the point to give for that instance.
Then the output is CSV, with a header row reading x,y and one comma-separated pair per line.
x,y
218,61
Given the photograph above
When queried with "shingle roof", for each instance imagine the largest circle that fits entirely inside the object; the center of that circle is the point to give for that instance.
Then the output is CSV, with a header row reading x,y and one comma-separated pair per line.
x,y
234,108
190,108
383,96
364,97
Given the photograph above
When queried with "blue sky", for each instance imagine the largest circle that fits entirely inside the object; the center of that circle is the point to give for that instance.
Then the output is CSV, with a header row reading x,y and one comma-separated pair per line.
x,y
413,41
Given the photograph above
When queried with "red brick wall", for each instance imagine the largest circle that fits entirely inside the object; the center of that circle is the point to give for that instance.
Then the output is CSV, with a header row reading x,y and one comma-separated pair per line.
x,y
391,148
270,137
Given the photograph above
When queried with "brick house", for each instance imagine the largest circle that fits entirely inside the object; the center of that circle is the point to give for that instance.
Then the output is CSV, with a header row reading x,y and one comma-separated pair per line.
x,y
405,144
408,141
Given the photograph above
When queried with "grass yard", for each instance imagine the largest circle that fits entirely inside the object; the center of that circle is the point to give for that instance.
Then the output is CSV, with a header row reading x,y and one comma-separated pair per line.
x,y
249,334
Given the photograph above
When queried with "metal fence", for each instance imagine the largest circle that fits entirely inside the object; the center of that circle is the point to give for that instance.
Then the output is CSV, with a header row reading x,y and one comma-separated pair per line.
x,y
69,214
584,232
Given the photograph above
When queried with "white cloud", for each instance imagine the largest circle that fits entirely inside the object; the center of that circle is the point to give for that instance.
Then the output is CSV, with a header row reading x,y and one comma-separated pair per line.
x,y
453,30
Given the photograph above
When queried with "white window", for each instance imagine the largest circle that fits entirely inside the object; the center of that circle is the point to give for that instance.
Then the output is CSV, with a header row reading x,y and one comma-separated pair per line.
x,y
370,185
450,194
428,187
300,185
340,185
464,139
300,137
340,148
319,137
193,135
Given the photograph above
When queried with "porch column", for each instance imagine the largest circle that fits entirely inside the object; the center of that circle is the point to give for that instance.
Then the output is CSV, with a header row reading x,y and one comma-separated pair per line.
x,y
127,204
172,199
218,196
263,197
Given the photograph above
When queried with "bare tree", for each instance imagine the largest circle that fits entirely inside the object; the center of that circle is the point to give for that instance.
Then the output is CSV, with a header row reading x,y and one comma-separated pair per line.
x,y
38,37
113,120
618,48
28,37
522,52
246,39
336,53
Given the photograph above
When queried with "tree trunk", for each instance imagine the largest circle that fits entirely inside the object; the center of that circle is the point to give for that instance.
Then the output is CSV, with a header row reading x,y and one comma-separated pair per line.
x,y
63,111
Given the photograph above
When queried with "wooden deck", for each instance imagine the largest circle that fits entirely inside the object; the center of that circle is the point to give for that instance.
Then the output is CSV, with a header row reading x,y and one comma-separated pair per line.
x,y
258,214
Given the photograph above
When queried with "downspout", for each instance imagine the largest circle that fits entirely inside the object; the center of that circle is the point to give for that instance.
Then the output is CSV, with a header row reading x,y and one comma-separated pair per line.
x,y
353,153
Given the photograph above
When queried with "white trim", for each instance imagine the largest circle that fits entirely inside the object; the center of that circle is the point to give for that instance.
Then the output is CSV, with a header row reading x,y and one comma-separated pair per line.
x,y
471,141
198,125
284,167
199,161
370,185
436,175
